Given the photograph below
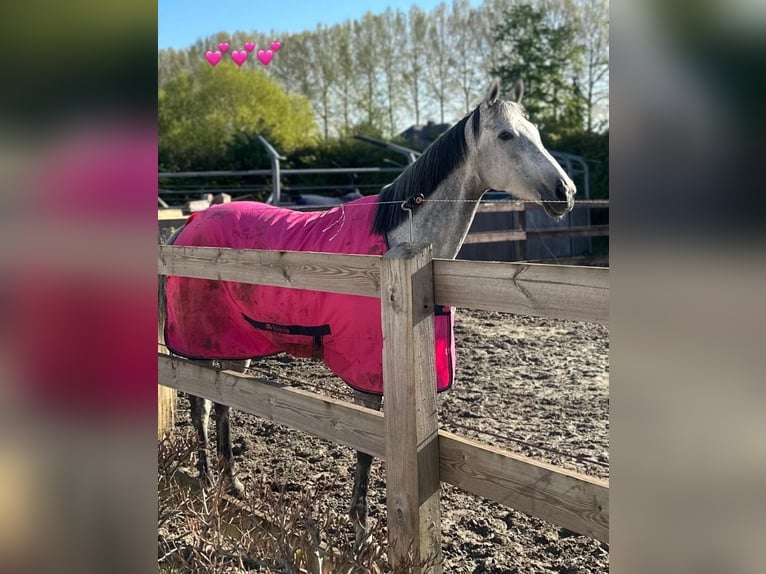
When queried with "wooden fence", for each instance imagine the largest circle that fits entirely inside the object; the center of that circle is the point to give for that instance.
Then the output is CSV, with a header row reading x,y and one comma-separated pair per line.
x,y
508,221
418,456
505,231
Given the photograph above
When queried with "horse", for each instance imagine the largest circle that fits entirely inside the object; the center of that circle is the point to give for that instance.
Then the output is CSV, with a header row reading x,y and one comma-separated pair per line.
x,y
494,146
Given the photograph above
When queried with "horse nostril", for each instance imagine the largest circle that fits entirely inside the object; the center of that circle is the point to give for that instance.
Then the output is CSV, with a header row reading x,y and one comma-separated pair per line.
x,y
561,191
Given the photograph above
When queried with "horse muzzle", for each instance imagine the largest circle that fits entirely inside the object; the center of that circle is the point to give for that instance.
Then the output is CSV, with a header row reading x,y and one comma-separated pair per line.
x,y
563,199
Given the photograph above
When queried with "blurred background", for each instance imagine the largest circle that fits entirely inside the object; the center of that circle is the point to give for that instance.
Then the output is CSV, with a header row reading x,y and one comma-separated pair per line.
x,y
78,151
686,316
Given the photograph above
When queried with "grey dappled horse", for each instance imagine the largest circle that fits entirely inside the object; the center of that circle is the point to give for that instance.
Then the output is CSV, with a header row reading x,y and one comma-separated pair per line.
x,y
493,147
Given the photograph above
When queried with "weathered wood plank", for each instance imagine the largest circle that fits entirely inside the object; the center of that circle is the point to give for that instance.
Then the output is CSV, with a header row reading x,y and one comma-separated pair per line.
x,y
504,206
166,397
582,260
518,235
520,222
409,375
170,213
166,410
577,231
580,203
568,499
327,418
349,274
494,236
561,291
566,292
500,206
196,205
482,470
593,203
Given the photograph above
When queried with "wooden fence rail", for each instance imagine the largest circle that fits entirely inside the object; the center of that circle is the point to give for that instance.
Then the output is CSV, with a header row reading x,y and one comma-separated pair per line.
x,y
574,501
409,283
560,291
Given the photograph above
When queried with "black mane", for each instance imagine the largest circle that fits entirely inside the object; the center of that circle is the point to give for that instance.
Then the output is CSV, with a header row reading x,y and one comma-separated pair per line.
x,y
424,176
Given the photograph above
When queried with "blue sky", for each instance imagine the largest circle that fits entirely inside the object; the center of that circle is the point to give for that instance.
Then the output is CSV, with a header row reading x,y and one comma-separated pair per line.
x,y
182,22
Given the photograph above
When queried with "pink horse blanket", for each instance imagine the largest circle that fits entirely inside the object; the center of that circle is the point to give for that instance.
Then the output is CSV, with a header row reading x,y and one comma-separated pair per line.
x,y
227,320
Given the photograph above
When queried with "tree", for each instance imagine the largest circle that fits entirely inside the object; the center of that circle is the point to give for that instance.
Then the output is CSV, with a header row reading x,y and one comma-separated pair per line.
x,y
389,30
341,41
204,113
294,69
548,59
367,65
594,34
590,21
489,13
324,76
169,62
440,46
415,51
465,25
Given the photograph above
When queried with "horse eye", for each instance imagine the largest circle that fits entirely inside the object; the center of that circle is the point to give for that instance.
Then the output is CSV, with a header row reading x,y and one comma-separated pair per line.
x,y
505,135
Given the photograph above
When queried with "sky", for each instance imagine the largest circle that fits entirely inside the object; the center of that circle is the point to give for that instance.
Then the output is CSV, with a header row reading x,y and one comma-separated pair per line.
x,y
182,22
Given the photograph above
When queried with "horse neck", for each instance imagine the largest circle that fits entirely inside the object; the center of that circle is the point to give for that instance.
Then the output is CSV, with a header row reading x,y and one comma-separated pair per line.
x,y
444,224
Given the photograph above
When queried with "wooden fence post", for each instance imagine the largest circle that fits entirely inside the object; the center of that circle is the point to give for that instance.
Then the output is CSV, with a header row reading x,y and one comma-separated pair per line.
x,y
409,375
521,224
166,397
166,410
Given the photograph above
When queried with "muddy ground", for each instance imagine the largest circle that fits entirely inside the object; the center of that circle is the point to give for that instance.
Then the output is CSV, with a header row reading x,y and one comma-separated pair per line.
x,y
539,387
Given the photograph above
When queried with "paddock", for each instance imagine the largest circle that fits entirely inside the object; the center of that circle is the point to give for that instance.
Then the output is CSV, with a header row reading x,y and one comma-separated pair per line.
x,y
521,491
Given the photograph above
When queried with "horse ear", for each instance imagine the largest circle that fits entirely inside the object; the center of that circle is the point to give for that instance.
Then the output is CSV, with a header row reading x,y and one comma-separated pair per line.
x,y
493,93
517,91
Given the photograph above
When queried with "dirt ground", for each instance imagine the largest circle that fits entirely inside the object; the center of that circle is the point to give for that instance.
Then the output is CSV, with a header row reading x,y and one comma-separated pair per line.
x,y
539,387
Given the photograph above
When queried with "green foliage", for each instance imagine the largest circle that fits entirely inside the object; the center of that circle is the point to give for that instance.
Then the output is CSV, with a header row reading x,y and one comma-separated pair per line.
x,y
209,118
595,148
548,59
346,152
343,152
365,128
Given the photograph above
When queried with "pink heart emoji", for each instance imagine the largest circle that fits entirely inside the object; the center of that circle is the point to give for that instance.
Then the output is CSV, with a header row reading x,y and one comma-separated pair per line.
x,y
265,56
223,46
213,57
276,46
239,57
249,46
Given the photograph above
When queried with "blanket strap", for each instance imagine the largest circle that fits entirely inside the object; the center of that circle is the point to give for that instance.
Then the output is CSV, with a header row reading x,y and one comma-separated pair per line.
x,y
307,331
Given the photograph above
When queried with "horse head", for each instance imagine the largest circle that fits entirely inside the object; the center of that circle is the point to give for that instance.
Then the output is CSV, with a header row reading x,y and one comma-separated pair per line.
x,y
511,156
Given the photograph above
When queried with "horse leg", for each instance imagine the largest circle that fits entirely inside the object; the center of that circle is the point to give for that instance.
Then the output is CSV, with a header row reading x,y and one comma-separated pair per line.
x,y
223,437
225,456
358,509
200,415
